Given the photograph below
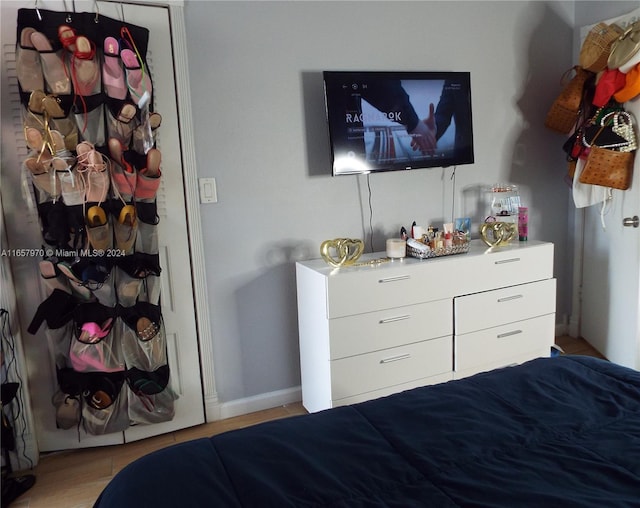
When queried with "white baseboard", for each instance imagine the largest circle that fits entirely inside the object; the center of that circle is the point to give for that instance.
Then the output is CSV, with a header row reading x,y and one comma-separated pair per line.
x,y
216,410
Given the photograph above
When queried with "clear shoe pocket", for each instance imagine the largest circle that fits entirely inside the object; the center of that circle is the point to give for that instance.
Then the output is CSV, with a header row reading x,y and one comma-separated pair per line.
x,y
151,399
91,124
105,401
127,287
147,238
94,347
102,398
143,337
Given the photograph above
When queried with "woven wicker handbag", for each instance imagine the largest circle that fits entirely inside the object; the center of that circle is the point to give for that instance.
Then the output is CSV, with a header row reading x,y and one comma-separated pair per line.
x,y
565,109
596,47
608,168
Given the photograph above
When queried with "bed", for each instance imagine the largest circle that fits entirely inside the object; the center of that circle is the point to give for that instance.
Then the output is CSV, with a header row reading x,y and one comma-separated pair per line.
x,y
552,432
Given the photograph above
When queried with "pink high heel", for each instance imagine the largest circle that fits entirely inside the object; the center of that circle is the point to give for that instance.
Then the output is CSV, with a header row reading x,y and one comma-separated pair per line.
x,y
138,79
112,72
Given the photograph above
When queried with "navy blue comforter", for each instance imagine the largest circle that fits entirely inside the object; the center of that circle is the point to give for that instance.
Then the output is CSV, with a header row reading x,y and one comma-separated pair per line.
x,y
558,432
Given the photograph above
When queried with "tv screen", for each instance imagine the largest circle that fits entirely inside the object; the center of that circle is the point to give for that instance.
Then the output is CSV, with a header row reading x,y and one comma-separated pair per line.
x,y
390,121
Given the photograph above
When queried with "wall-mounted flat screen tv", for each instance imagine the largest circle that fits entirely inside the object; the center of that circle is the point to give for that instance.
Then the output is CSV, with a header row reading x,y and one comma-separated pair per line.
x,y
391,121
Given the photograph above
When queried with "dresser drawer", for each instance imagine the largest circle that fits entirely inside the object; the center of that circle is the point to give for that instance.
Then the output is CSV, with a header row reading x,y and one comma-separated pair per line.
x,y
373,331
386,287
504,342
507,266
373,371
501,306
383,392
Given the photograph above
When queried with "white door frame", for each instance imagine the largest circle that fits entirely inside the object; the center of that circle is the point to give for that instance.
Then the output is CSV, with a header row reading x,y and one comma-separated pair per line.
x,y
190,176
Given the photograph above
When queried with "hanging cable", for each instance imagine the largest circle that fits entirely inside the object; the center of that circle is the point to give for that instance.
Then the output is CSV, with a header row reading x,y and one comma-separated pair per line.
x,y
453,194
370,213
9,342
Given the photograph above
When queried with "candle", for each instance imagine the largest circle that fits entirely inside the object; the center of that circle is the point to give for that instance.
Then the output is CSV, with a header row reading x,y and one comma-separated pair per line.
x,y
396,248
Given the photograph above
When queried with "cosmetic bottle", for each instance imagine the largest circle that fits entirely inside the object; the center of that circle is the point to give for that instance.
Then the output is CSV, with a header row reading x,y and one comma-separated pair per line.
x,y
523,223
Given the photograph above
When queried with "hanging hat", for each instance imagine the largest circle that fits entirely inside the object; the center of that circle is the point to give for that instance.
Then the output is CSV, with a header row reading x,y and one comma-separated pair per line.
x,y
596,47
631,63
609,82
625,47
632,86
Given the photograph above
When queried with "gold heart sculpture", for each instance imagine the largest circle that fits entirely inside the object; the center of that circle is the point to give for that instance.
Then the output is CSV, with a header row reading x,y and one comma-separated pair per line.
x,y
341,251
497,234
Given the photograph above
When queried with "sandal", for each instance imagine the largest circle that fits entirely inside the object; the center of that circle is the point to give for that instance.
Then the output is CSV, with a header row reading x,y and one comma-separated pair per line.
x,y
148,179
53,67
137,78
67,37
85,71
72,188
125,229
93,166
123,182
59,120
98,230
112,72
28,66
121,125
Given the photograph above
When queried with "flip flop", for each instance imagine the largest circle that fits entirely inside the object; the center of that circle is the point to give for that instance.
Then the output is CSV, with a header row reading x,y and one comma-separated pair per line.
x,y
28,66
137,77
112,72
85,71
52,65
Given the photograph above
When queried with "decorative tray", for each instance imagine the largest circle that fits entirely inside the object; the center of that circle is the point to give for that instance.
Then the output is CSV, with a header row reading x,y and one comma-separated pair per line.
x,y
461,248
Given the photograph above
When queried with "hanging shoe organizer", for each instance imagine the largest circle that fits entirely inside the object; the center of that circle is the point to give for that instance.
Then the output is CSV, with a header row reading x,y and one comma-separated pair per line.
x,y
92,174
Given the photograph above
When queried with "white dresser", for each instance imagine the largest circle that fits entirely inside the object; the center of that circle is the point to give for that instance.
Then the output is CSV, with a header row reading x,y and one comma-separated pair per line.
x,y
369,331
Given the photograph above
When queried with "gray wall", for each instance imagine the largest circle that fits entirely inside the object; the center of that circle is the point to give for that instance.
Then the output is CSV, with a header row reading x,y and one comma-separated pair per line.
x,y
260,131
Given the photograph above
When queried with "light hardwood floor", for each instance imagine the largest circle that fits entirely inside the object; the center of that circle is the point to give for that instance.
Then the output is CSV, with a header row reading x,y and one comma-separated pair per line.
x,y
74,479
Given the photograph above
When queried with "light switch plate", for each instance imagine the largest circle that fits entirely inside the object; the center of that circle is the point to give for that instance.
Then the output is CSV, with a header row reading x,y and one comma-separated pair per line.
x,y
208,190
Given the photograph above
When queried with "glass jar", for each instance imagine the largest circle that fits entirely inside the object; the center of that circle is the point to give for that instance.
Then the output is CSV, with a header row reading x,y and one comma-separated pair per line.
x,y
504,202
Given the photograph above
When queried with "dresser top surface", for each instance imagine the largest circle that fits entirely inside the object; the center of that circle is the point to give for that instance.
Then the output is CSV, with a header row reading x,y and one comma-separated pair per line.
x,y
379,260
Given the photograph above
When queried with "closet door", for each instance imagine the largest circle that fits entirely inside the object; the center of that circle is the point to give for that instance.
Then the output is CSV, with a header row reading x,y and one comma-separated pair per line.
x,y
177,301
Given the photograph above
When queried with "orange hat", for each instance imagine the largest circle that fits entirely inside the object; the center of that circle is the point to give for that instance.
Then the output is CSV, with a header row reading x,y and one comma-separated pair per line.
x,y
631,87
609,82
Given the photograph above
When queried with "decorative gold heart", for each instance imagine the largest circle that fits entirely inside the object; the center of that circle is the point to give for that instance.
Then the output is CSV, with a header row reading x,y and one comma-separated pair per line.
x,y
341,251
497,234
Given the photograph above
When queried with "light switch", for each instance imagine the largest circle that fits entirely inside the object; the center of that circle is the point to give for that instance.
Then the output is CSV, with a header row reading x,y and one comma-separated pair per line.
x,y
208,191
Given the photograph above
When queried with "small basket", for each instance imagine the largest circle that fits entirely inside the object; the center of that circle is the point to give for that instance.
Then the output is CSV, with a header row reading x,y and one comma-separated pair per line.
x,y
461,248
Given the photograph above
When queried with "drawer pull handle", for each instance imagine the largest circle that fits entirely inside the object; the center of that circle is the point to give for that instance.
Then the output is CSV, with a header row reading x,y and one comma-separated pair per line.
x,y
395,358
509,298
394,279
503,261
509,334
394,319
